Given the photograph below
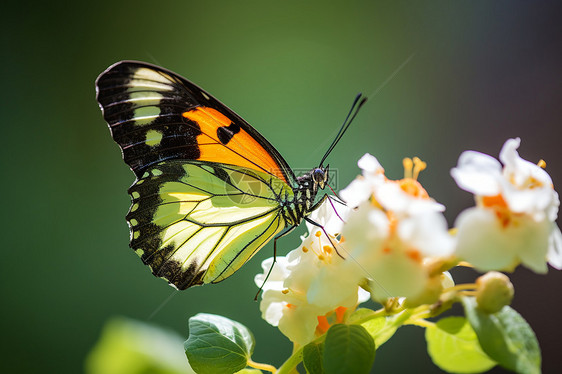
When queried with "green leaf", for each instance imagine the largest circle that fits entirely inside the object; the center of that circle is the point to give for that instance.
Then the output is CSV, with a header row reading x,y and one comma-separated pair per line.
x,y
348,349
217,344
381,329
506,337
249,371
453,346
359,315
312,358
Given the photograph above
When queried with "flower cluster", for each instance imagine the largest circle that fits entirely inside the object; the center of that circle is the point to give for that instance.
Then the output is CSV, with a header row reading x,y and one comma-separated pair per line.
x,y
396,232
309,288
513,220
392,240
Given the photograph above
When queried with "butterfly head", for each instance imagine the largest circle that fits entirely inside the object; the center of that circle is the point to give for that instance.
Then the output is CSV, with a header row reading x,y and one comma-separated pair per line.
x,y
320,176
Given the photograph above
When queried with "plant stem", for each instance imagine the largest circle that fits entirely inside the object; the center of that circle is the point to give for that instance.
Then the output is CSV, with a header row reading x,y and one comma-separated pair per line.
x,y
291,363
460,287
260,366
422,323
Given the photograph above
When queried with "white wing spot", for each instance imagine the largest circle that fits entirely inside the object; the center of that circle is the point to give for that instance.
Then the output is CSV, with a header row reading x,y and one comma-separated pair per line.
x,y
205,95
153,137
148,76
146,114
143,98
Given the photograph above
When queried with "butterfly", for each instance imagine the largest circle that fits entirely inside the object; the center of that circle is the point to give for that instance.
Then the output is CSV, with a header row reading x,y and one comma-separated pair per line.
x,y
210,190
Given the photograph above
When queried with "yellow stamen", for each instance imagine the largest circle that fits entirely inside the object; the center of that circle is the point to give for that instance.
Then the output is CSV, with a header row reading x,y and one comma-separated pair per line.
x,y
408,166
285,291
541,164
318,233
419,166
494,201
413,187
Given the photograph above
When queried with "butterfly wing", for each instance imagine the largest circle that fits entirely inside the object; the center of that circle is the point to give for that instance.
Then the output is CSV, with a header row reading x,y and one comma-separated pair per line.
x,y
199,222
209,186
155,115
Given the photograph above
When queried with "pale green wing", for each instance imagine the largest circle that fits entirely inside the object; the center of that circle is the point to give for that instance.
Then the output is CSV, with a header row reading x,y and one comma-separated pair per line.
x,y
199,222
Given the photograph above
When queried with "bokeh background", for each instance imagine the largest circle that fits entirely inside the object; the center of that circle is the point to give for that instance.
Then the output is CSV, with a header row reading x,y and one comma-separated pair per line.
x,y
481,72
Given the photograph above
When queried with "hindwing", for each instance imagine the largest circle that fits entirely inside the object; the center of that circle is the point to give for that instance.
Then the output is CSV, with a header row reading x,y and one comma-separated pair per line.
x,y
198,222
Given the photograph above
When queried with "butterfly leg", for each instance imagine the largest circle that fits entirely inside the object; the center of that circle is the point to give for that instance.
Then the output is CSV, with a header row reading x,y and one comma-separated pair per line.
x,y
281,234
333,207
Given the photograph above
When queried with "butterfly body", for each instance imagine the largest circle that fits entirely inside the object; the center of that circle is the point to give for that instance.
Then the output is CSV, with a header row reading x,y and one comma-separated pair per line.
x,y
210,190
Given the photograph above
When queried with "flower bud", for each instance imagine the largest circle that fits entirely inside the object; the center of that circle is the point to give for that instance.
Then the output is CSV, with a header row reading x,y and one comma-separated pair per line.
x,y
494,291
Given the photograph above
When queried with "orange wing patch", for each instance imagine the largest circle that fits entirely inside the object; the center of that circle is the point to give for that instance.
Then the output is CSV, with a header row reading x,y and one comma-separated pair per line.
x,y
226,142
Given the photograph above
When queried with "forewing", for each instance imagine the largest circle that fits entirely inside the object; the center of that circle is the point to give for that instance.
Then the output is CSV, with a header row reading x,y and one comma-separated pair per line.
x,y
155,115
198,222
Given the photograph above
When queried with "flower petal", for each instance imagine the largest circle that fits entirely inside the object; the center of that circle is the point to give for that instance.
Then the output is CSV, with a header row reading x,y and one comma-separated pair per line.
x,y
478,173
358,191
490,243
397,275
428,233
480,242
369,164
554,254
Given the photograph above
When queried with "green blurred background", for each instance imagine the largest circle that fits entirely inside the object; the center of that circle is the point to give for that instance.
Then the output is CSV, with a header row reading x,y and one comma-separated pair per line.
x,y
483,71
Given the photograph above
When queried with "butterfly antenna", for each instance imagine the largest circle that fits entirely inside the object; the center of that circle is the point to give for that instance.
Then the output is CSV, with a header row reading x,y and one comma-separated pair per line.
x,y
357,104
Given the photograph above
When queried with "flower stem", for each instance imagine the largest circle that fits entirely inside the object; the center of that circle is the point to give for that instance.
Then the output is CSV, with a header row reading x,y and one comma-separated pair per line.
x,y
422,323
291,364
460,287
260,366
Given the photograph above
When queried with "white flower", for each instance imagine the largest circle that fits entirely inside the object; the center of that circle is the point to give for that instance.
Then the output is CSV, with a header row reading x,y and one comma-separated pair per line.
x,y
290,311
311,281
404,196
394,230
526,187
491,243
392,252
513,221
